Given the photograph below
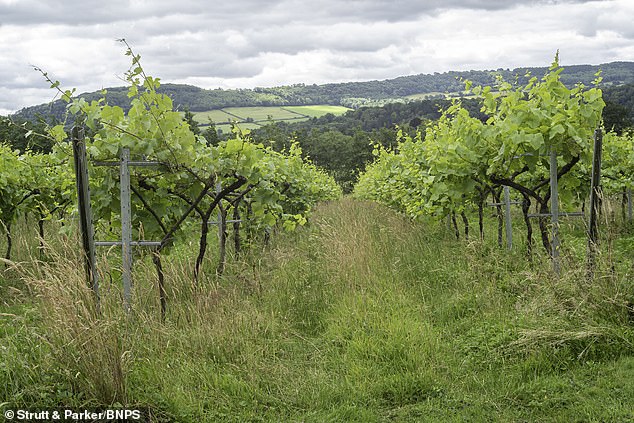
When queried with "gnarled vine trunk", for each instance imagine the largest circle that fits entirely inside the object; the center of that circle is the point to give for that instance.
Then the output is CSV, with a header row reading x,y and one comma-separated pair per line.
x,y
222,240
156,259
526,207
466,225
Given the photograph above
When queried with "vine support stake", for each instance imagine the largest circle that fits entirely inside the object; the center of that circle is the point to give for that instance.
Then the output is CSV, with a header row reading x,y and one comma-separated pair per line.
x,y
85,212
222,233
507,216
126,242
554,211
595,187
126,228
629,204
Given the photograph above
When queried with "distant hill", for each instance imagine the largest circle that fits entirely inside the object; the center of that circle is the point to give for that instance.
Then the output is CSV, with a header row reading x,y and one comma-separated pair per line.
x,y
350,94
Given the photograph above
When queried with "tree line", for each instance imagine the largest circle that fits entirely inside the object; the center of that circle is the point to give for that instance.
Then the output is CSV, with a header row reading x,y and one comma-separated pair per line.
x,y
354,94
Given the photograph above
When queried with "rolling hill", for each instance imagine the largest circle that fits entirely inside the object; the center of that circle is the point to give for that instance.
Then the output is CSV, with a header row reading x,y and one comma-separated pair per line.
x,y
350,94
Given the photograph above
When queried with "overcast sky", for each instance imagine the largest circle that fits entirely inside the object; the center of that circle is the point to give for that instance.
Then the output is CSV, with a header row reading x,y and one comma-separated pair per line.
x,y
248,43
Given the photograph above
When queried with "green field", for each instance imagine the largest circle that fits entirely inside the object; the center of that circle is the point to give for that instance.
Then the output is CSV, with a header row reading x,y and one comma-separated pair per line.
x,y
226,128
254,117
318,110
217,116
259,114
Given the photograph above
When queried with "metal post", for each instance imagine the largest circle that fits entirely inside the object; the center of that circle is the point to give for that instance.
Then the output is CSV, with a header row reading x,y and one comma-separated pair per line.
x,y
507,215
85,211
554,210
219,215
126,242
222,234
126,228
593,227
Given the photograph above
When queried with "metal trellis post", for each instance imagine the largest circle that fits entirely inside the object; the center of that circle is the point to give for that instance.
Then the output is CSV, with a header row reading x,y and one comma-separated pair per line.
x,y
126,222
507,217
554,210
593,226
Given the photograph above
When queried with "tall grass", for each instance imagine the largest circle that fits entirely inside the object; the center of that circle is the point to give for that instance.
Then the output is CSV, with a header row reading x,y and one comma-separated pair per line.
x,y
361,316
87,349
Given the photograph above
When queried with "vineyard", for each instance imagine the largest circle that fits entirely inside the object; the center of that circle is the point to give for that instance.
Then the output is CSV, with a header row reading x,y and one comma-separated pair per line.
x,y
382,306
537,140
259,188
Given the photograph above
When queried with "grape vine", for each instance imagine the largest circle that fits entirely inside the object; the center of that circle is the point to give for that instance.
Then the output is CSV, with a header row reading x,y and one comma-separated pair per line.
x,y
265,188
461,160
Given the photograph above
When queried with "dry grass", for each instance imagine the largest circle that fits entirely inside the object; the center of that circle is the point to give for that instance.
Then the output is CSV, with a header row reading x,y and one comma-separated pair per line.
x,y
361,316
88,346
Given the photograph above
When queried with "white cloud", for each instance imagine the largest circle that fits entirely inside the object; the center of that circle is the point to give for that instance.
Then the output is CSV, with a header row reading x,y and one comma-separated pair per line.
x,y
247,43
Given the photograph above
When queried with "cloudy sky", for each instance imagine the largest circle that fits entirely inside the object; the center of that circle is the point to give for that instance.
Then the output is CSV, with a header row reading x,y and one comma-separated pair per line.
x,y
248,43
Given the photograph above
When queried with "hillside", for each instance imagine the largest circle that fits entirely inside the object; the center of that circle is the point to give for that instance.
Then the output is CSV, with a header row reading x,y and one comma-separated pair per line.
x,y
350,94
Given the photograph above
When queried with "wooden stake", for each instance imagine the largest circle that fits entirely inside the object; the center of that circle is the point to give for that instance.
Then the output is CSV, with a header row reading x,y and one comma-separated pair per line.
x,y
85,211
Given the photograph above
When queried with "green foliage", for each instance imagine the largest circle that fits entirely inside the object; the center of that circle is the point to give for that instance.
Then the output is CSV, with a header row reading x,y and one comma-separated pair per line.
x,y
210,133
342,145
16,183
461,158
32,183
617,117
619,110
193,125
269,187
617,167
369,119
24,135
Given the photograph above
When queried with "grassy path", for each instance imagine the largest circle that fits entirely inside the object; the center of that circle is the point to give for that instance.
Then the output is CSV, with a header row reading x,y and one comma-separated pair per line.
x,y
361,317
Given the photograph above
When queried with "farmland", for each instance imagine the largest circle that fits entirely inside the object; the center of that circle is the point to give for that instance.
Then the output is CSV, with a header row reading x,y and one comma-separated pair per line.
x,y
312,306
255,117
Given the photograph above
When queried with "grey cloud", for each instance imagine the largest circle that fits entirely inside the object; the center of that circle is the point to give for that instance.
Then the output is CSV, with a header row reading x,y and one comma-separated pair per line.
x,y
81,12
590,22
15,73
89,12
405,10
221,67
37,12
343,37
13,99
254,42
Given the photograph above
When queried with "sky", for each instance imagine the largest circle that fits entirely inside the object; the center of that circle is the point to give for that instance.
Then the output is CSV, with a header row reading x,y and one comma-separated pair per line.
x,y
250,43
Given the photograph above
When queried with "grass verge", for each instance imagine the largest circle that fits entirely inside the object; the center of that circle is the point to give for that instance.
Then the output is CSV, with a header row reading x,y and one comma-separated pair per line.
x,y
361,316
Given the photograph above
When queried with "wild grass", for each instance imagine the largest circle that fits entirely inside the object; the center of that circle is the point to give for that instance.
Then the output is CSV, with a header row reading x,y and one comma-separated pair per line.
x,y
361,316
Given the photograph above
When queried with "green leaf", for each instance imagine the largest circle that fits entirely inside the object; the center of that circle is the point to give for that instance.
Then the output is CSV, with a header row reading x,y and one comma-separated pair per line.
x,y
234,145
536,141
557,130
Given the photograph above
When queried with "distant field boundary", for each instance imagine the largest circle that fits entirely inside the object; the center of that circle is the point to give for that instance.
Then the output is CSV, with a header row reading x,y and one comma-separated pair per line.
x,y
261,122
253,115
